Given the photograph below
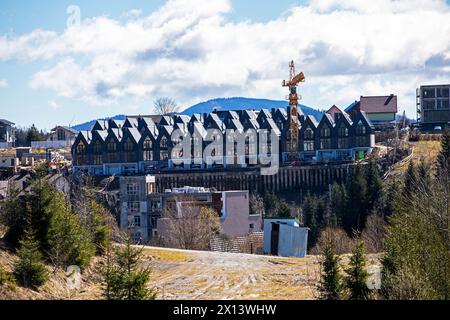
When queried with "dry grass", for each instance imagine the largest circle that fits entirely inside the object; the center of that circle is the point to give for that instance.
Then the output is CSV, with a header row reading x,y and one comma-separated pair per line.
x,y
427,150
178,274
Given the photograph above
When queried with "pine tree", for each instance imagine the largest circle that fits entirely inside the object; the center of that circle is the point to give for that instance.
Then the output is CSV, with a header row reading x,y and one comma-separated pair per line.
x,y
357,275
311,219
443,158
330,286
411,183
357,211
30,271
374,185
338,203
124,278
70,244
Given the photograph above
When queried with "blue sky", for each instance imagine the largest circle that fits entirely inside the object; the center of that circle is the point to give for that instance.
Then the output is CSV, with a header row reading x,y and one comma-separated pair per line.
x,y
126,53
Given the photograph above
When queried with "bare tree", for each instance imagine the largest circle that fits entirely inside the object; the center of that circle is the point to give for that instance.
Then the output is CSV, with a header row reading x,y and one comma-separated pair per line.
x,y
341,242
190,227
374,233
164,106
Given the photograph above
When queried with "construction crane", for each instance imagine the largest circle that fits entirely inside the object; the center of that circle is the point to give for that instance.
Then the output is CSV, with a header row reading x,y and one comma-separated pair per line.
x,y
292,83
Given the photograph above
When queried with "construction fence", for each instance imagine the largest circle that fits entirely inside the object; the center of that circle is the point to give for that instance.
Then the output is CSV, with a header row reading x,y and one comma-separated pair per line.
x,y
252,243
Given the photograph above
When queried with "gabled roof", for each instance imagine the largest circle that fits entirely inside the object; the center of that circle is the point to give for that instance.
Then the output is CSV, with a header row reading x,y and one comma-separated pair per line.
x,y
271,125
166,121
102,134
235,124
131,123
375,104
7,122
214,119
196,117
181,118
364,116
116,133
134,133
311,120
333,111
198,129
86,135
167,130
327,118
71,130
279,112
149,131
116,123
101,125
251,124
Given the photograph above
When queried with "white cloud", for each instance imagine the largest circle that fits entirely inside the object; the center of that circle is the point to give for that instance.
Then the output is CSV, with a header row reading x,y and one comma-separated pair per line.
x,y
53,104
3,83
346,49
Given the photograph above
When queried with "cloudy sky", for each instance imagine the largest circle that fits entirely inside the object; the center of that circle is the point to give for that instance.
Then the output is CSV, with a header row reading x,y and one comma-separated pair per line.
x,y
120,55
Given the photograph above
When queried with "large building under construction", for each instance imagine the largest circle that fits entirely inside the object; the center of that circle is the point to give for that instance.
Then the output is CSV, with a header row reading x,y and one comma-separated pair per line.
x,y
142,145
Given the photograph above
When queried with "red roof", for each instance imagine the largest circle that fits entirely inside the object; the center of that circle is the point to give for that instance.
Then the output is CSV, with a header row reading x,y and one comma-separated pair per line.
x,y
378,104
333,110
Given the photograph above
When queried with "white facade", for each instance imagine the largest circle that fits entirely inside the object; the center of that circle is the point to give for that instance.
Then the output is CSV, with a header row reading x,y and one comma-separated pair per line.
x,y
291,239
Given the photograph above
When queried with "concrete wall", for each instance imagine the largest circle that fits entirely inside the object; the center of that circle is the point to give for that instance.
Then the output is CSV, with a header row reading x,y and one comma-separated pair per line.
x,y
293,241
236,218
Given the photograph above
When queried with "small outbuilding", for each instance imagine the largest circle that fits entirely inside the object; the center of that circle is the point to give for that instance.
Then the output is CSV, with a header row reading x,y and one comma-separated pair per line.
x,y
284,237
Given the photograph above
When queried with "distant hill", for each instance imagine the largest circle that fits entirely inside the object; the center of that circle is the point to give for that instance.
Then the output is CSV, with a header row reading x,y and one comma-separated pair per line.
x,y
224,104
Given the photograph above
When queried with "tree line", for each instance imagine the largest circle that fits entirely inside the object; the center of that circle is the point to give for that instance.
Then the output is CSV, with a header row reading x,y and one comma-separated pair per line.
x,y
415,263
46,233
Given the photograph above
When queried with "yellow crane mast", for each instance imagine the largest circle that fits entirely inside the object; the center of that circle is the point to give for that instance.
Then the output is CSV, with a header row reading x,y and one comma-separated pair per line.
x,y
292,83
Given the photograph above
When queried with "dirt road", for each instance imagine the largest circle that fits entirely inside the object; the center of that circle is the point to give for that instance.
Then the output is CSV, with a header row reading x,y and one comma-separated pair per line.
x,y
179,274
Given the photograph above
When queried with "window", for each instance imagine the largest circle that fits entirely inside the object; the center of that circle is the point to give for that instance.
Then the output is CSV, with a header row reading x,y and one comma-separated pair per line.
x,y
360,128
81,157
343,131
112,151
136,237
137,221
148,152
308,145
443,104
325,131
112,146
164,155
61,134
442,92
163,142
429,104
252,226
129,155
133,206
361,141
97,151
128,146
325,143
81,148
308,134
132,188
428,93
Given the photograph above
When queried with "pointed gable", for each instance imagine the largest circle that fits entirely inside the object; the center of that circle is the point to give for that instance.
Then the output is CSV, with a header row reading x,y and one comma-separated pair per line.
x,y
131,123
100,125
263,115
213,122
